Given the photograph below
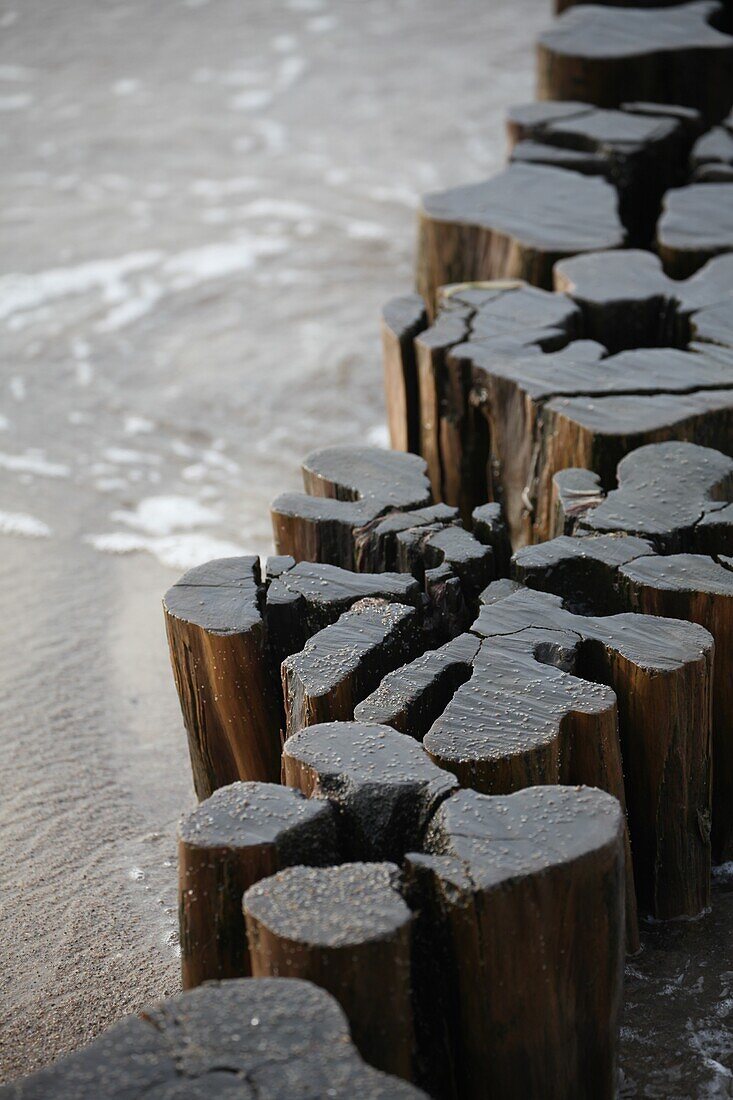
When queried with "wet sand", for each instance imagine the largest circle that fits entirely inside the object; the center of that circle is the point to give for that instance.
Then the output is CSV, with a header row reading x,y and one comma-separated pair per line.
x,y
204,205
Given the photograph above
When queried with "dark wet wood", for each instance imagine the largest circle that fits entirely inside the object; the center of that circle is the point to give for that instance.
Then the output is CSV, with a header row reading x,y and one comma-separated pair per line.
x,y
663,492
402,319
628,301
670,494
489,525
500,322
697,588
607,55
573,492
349,930
534,1012
226,682
583,571
596,432
383,786
342,663
424,540
514,225
663,682
696,224
711,159
243,833
641,152
345,488
530,705
238,1040
309,596
390,528
516,384
412,697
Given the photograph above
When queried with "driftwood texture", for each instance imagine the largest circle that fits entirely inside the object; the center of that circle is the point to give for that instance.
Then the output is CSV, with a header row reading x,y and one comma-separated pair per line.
x,y
341,664
531,1013
367,509
712,155
512,862
607,55
517,710
383,787
402,319
580,179
696,223
223,673
642,149
230,627
725,20
528,860
237,1040
663,684
243,833
514,225
674,495
516,383
348,929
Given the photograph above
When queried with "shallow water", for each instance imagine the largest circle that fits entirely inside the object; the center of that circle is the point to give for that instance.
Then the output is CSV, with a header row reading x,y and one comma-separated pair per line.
x,y
203,206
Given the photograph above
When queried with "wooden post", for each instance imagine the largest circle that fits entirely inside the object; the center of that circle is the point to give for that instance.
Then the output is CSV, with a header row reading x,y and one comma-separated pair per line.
x,y
513,226
224,675
516,384
696,224
242,1038
345,488
610,55
348,929
664,492
383,786
642,149
342,663
607,573
243,833
402,319
663,682
534,1011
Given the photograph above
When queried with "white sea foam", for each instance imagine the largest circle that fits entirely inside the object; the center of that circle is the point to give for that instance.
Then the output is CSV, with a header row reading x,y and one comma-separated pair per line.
x,y
290,71
322,24
130,297
19,523
214,261
24,292
378,436
273,134
137,425
218,189
181,551
126,86
84,372
17,387
276,208
15,102
33,462
162,515
284,43
723,872
366,231
256,99
122,456
15,72
133,308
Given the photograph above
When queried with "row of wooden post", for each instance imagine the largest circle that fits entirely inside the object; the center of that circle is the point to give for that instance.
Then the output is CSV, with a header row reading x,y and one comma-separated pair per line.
x,y
381,721
442,750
